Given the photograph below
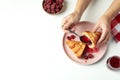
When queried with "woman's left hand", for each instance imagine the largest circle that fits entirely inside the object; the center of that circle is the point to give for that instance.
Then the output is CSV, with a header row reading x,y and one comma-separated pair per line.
x,y
103,24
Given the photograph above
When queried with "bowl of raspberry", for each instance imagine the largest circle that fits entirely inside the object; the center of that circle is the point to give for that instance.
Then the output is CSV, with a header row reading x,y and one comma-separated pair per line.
x,y
53,6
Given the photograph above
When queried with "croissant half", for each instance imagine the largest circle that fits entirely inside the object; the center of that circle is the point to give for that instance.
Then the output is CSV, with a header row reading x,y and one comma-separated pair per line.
x,y
93,37
76,46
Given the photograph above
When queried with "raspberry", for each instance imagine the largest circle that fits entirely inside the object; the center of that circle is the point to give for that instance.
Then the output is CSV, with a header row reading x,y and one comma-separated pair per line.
x,y
45,8
57,2
48,1
48,10
57,7
48,6
57,10
61,1
72,36
60,6
52,6
52,11
68,37
90,56
86,57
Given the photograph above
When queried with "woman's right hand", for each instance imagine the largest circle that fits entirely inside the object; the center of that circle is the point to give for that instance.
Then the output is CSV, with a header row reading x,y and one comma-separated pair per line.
x,y
70,20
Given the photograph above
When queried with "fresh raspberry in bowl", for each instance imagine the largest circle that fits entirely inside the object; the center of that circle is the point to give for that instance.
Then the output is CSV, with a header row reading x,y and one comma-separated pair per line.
x,y
53,6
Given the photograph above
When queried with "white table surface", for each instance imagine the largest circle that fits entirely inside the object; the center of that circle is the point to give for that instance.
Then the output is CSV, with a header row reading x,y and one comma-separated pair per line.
x,y
31,43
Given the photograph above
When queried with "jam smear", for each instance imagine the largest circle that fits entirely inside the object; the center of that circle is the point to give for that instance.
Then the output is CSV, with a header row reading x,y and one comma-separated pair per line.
x,y
87,54
85,39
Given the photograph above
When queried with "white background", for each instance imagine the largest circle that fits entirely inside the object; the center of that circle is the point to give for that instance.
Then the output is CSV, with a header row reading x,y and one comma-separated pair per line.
x,y
31,43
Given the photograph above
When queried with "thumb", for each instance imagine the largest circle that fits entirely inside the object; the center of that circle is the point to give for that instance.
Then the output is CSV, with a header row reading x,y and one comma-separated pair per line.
x,y
68,24
95,28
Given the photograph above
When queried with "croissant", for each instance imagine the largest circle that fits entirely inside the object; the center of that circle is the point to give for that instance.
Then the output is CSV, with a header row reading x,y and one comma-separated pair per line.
x,y
91,38
76,46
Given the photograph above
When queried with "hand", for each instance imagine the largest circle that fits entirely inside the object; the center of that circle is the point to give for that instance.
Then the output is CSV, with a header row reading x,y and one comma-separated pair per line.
x,y
70,20
103,24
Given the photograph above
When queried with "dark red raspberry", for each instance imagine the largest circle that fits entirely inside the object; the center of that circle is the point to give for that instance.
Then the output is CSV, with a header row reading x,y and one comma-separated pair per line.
x,y
48,6
61,1
68,37
57,7
52,11
72,36
86,57
53,7
48,10
90,56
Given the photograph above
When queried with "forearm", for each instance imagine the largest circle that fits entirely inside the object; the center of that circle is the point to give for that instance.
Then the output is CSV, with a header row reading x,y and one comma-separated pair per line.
x,y
113,9
81,5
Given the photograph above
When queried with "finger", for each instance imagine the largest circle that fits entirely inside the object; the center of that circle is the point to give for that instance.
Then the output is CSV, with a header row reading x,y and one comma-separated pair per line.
x,y
64,21
66,31
95,28
68,25
73,28
103,35
106,39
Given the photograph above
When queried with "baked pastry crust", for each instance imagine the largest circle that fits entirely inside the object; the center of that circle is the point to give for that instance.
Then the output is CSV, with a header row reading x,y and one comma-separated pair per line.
x,y
93,36
76,46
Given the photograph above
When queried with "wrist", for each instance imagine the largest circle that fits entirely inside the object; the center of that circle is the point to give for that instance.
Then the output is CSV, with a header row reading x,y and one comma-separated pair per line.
x,y
108,17
77,13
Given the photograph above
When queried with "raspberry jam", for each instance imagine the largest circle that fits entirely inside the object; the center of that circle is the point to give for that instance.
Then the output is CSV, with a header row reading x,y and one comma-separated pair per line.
x,y
85,40
114,63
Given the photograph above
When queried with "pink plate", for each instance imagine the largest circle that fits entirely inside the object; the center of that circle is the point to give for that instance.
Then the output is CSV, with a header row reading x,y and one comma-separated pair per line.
x,y
80,27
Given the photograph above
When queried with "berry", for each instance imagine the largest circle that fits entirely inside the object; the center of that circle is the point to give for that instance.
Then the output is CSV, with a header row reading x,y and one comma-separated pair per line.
x,y
68,37
90,56
45,8
57,7
48,1
60,6
52,11
61,1
56,10
57,2
72,36
86,57
48,10
48,6
52,6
